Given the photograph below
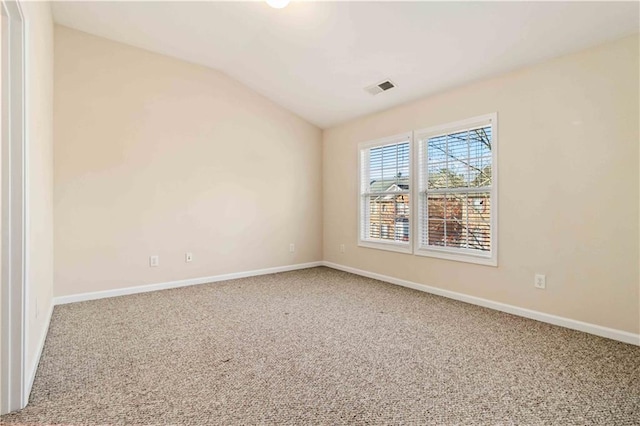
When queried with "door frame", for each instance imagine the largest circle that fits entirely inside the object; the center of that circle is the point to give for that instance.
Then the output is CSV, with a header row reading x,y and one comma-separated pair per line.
x,y
13,188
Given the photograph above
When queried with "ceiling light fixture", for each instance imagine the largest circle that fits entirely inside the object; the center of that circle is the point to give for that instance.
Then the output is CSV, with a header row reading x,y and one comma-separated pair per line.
x,y
278,4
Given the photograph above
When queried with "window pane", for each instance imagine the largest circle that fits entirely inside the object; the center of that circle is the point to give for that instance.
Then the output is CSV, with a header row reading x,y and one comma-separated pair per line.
x,y
385,179
375,208
451,215
388,217
480,142
402,218
460,159
437,175
480,172
460,220
437,149
458,146
436,206
479,222
454,210
389,167
436,233
457,174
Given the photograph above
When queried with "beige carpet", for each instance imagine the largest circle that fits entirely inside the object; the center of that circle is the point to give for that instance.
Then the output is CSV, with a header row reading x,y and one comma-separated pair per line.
x,y
320,346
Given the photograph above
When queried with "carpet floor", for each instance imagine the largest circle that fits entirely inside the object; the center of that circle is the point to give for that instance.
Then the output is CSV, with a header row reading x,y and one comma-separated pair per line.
x,y
320,346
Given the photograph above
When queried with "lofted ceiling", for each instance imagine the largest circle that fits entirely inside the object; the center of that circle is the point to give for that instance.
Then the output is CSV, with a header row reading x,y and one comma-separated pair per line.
x,y
316,58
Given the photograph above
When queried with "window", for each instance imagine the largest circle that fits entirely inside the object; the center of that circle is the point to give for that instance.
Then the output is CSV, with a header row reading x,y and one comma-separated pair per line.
x,y
385,191
457,193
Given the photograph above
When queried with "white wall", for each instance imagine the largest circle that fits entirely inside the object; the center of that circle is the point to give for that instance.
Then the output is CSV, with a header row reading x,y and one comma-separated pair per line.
x,y
39,137
569,185
156,156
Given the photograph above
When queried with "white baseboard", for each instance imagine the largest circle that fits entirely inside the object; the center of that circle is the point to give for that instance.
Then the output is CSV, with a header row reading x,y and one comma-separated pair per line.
x,y
61,300
31,374
622,336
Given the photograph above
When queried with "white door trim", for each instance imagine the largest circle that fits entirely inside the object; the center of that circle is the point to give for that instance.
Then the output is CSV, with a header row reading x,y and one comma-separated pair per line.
x,y
13,277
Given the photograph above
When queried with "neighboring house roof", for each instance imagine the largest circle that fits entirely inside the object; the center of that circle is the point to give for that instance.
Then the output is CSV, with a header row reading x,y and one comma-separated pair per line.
x,y
396,184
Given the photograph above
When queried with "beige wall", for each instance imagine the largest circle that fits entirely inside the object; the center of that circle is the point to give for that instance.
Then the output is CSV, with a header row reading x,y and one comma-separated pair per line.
x,y
155,156
158,156
39,136
568,203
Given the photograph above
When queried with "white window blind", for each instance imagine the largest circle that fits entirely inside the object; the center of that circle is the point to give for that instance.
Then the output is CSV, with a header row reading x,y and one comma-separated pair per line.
x,y
457,197
385,186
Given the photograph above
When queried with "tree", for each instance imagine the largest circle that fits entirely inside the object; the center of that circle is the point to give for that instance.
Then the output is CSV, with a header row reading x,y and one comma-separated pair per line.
x,y
446,178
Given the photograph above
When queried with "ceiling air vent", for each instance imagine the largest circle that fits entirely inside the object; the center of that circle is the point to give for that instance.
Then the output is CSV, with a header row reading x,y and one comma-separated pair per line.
x,y
383,86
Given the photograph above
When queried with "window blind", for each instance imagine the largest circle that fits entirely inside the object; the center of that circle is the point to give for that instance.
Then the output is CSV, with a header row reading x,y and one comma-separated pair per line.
x,y
455,205
385,185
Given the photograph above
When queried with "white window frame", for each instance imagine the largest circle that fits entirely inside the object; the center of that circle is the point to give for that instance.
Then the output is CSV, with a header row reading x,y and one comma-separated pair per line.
x,y
419,191
361,220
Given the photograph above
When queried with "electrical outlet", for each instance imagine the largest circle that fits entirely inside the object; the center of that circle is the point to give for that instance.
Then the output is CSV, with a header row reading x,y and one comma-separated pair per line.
x,y
188,257
540,281
342,248
154,261
292,248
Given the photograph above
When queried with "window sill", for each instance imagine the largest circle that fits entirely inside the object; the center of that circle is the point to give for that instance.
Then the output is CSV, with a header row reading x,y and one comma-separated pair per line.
x,y
398,248
458,257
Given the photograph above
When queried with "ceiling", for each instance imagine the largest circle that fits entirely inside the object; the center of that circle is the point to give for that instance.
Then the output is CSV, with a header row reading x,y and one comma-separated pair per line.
x,y
315,58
